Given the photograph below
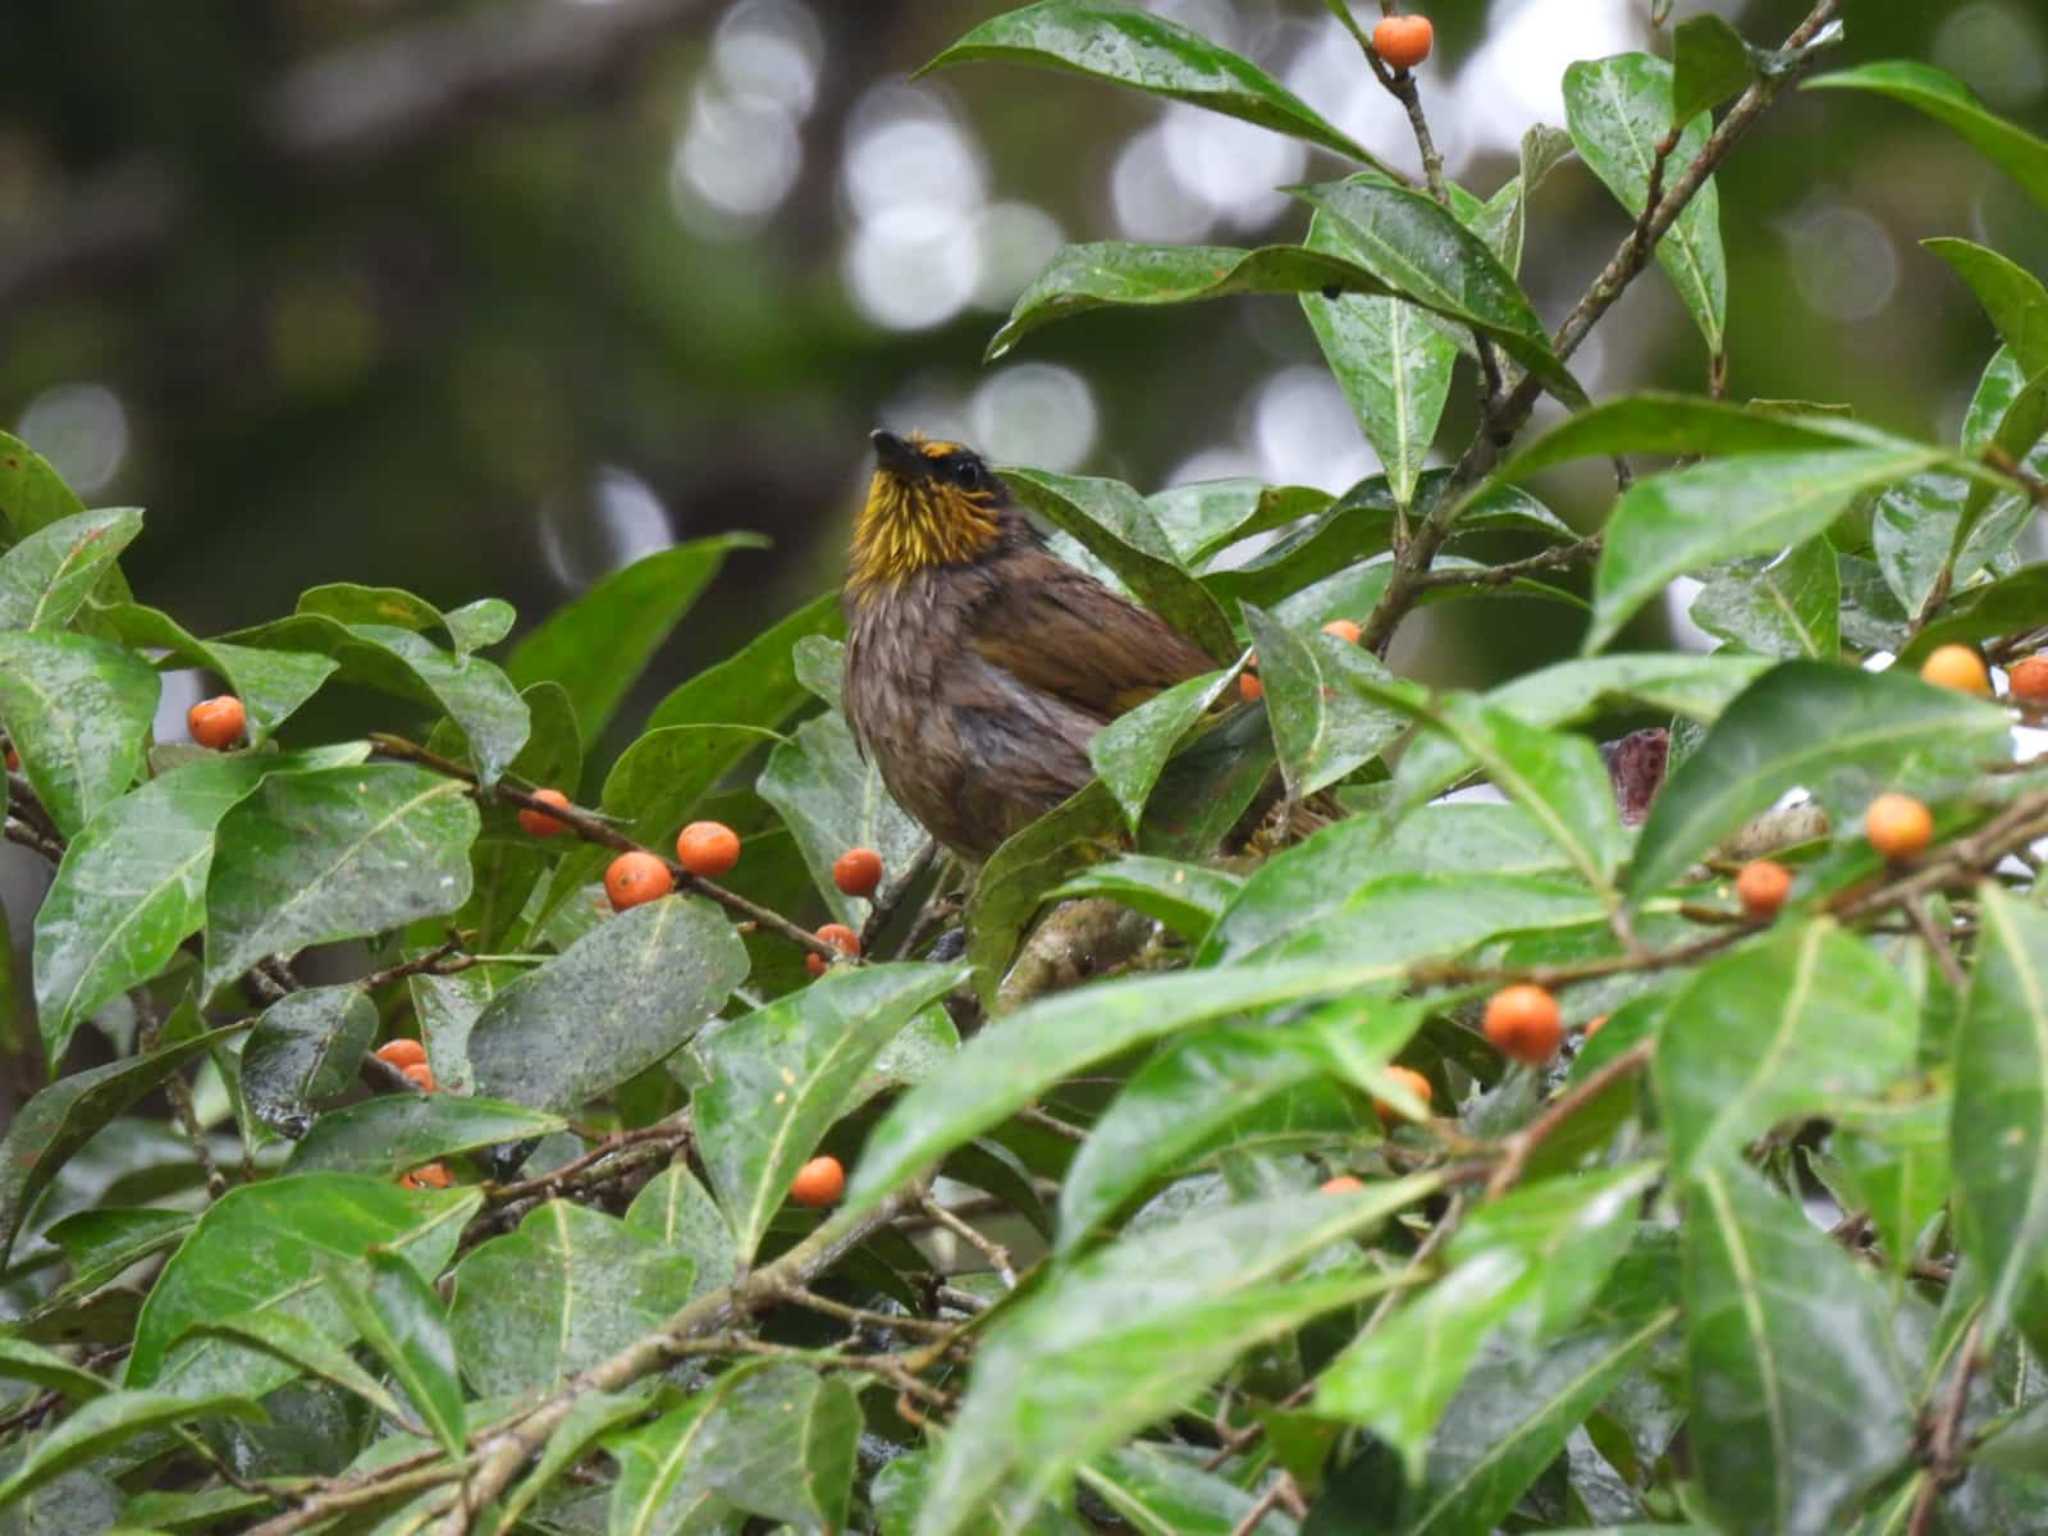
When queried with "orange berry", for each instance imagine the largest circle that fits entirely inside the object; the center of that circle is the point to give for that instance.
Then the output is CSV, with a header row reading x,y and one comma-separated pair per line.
x,y
1595,1024
1344,630
1762,886
1524,1023
1408,1078
420,1075
1957,667
707,848
1249,688
1342,1184
13,761
1898,826
2027,680
217,723
402,1053
841,938
539,823
1403,41
426,1176
819,1183
858,871
637,878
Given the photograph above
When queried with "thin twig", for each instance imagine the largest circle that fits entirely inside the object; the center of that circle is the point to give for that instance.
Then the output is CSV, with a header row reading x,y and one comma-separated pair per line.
x,y
1263,1506
1500,575
1523,1144
28,837
890,896
1065,1130
997,1255
1945,1467
1937,941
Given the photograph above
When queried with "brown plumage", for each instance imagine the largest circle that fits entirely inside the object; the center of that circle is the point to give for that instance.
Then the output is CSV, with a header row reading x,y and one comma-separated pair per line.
x,y
978,665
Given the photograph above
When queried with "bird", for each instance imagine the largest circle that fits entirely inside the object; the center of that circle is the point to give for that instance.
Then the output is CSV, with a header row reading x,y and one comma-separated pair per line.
x,y
979,665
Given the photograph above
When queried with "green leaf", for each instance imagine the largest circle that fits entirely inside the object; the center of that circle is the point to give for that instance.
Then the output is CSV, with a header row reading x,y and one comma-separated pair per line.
x,y
592,1414
1842,734
1131,751
1947,100
758,685
2012,296
1510,1421
107,1422
1999,1145
1710,64
1025,869
1618,110
1188,898
23,1361
1426,256
1160,57
1174,1107
1543,1251
98,1244
1392,363
1204,516
1122,1336
306,1048
334,853
132,886
78,711
779,1077
569,1287
833,799
1896,1158
266,1246
597,646
1797,1407
1787,607
675,1210
618,1000
46,578
348,603
1687,519
1159,1493
63,1117
1002,1070
1574,692
659,779
476,625
396,1131
301,1348
32,494
2003,607
1326,719
401,1318
1788,1026
270,684
1116,526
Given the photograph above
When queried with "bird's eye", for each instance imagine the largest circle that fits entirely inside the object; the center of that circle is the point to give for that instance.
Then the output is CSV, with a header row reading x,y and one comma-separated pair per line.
x,y
971,476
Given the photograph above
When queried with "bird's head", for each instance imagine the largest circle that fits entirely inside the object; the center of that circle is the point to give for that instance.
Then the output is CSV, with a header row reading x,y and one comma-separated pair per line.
x,y
930,503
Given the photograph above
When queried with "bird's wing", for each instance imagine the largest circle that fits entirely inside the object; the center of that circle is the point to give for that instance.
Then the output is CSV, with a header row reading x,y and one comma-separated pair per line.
x,y
1059,631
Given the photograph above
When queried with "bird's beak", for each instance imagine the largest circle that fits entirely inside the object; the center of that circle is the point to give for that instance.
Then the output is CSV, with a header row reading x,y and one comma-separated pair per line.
x,y
896,457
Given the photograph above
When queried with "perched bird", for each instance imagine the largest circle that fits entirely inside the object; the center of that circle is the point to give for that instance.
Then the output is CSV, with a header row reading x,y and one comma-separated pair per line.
x,y
978,664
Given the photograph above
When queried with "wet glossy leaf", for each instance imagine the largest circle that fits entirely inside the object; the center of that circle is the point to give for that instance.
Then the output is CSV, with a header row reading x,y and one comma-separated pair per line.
x,y
476,625
1400,919
1688,424
1002,1070
1797,1406
1326,723
758,684
780,1076
1784,1027
1688,519
47,577
334,853
300,1348
591,1415
98,1244
23,1361
1205,516
1129,47
1187,898
306,1048
1843,734
2013,297
396,1131
132,886
1947,100
1116,526
833,799
1787,607
1121,1336
1174,1107
1618,110
659,779
107,1422
78,711
1710,64
32,494
2000,1140
569,1287
1896,1160
265,1246
677,1211
1023,872
63,1117
447,1008
271,684
1131,751
1159,1493
401,1319
598,645
618,1000
1425,255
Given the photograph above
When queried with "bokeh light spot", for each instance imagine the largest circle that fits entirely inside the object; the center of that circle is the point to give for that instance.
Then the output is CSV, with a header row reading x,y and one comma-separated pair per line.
x,y
1034,413
82,429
